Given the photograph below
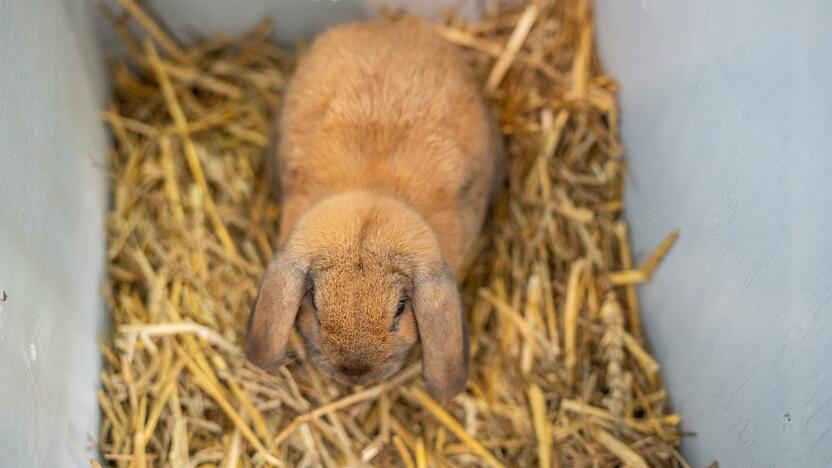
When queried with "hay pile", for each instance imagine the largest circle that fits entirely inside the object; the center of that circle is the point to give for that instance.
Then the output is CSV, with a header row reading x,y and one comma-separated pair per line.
x,y
560,375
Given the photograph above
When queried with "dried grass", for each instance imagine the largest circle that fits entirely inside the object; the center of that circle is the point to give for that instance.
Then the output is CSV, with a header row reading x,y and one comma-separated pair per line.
x,y
559,375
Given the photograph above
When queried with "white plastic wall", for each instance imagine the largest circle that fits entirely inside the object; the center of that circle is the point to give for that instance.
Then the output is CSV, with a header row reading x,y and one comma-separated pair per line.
x,y
52,204
727,119
293,19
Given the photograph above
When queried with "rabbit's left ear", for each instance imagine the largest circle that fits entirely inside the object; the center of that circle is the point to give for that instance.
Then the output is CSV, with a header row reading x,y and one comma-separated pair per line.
x,y
441,325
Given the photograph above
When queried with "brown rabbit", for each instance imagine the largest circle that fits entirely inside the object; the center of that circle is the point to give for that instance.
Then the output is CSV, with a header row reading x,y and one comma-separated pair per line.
x,y
387,157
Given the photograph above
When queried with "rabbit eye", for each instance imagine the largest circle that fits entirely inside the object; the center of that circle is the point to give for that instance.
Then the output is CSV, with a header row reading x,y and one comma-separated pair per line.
x,y
310,292
398,315
400,308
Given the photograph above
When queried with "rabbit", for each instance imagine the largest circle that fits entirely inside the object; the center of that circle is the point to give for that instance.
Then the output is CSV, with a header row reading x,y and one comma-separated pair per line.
x,y
387,158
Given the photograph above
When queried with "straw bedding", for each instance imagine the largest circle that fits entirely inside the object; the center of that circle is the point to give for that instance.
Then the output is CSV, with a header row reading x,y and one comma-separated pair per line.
x,y
560,373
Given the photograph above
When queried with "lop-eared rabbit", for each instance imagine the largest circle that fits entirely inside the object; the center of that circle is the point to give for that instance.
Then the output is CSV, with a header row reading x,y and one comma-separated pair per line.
x,y
387,156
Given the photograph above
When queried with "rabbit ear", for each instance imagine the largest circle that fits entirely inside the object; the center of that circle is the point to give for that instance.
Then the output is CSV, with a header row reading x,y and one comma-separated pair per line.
x,y
273,313
439,318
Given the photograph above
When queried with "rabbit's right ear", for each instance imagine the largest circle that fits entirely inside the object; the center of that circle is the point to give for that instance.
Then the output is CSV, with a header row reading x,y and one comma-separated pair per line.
x,y
273,313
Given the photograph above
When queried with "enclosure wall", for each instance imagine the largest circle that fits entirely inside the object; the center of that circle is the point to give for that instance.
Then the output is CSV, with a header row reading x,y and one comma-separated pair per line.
x,y
727,120
291,19
52,204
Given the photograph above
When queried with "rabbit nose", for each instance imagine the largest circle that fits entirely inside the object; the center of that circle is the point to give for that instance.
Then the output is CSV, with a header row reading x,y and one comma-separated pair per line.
x,y
353,369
